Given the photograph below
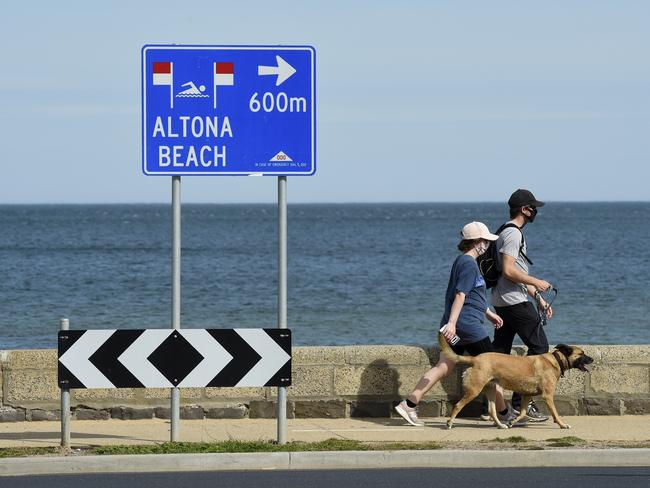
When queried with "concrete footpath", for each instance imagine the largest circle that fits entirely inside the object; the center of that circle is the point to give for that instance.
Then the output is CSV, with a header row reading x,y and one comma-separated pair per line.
x,y
609,441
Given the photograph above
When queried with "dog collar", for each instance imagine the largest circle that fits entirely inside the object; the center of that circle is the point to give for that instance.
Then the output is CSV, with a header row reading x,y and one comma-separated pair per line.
x,y
557,357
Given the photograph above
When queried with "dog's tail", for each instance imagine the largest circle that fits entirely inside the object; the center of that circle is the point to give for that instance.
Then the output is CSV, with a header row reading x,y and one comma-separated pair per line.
x,y
450,354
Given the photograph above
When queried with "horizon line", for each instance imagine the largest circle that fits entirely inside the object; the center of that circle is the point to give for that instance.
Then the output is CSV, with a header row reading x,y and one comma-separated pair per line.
x,y
378,202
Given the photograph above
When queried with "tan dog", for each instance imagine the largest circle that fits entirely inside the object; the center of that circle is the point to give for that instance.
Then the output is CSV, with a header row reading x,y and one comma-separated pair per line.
x,y
529,375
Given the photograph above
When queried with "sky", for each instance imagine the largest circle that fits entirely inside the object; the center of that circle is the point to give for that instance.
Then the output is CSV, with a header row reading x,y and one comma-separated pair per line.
x,y
418,101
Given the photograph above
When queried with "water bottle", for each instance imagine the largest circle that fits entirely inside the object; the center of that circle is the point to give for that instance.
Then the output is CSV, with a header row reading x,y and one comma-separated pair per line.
x,y
454,340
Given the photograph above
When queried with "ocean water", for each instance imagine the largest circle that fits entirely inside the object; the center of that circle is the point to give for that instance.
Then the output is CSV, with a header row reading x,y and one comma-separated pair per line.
x,y
358,273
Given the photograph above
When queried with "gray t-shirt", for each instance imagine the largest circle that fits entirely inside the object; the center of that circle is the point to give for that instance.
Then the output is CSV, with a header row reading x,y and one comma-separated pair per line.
x,y
506,292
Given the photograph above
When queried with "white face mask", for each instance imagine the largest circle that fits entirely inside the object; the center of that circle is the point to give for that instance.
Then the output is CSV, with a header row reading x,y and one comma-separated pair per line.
x,y
481,247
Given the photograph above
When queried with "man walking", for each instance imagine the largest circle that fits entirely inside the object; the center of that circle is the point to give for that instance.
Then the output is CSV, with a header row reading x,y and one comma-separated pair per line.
x,y
515,285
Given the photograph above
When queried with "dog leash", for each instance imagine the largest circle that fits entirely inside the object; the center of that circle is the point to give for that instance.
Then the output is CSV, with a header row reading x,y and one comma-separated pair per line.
x,y
542,312
549,299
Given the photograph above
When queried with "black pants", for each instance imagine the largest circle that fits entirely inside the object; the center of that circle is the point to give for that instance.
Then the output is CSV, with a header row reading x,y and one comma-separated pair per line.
x,y
475,348
521,319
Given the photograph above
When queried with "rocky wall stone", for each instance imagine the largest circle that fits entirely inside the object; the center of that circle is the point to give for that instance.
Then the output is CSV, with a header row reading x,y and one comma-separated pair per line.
x,y
103,397
385,381
38,415
268,410
636,406
165,393
1,380
472,409
327,381
81,413
619,378
309,381
371,409
8,414
227,412
188,412
41,359
601,406
388,355
128,413
619,354
564,406
244,394
324,409
192,412
367,380
31,387
162,413
574,383
318,355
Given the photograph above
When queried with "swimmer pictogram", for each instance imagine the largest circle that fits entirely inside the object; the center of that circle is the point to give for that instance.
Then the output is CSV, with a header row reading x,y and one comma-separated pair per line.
x,y
192,91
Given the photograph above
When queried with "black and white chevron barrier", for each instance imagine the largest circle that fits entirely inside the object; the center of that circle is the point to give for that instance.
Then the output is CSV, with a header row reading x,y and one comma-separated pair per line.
x,y
167,358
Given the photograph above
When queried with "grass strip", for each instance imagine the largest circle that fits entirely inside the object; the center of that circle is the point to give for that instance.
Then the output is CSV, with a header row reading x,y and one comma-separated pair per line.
x,y
233,446
515,439
568,441
11,452
406,446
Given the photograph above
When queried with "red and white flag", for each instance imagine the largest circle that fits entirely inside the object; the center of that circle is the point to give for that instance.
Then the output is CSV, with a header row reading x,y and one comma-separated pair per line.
x,y
163,74
224,75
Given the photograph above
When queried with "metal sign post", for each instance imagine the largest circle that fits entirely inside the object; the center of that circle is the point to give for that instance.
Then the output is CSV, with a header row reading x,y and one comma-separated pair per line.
x,y
282,297
176,292
64,325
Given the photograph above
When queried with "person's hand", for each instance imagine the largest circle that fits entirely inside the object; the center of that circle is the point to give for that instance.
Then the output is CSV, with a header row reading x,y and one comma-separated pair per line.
x,y
545,308
495,319
542,285
549,313
450,331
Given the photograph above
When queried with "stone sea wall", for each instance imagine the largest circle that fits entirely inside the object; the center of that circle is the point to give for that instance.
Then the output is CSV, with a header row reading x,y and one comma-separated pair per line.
x,y
328,382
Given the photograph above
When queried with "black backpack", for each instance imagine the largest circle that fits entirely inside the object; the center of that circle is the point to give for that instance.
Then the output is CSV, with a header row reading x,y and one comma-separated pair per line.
x,y
488,262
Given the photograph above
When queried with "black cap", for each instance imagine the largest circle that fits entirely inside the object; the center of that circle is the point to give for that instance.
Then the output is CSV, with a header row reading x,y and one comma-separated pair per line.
x,y
523,198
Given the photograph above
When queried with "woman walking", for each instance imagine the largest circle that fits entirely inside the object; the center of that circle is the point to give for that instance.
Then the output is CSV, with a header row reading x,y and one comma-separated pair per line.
x,y
466,307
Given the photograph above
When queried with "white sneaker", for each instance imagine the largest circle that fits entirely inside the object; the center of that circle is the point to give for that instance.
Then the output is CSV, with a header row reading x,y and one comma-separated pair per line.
x,y
409,414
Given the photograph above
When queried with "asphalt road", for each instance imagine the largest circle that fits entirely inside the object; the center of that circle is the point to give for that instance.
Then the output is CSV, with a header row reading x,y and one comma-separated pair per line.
x,y
376,478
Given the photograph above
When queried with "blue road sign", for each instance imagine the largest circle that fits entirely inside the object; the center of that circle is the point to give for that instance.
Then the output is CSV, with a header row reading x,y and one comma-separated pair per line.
x,y
228,110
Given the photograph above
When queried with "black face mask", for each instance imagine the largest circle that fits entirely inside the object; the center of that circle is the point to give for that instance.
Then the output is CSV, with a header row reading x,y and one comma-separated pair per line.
x,y
533,212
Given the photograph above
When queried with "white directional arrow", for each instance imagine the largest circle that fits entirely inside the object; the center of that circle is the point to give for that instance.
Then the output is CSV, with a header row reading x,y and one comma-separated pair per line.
x,y
284,70
76,359
135,358
215,358
273,357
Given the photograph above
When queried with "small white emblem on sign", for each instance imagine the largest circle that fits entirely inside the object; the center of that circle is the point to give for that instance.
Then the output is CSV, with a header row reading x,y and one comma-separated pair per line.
x,y
281,157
